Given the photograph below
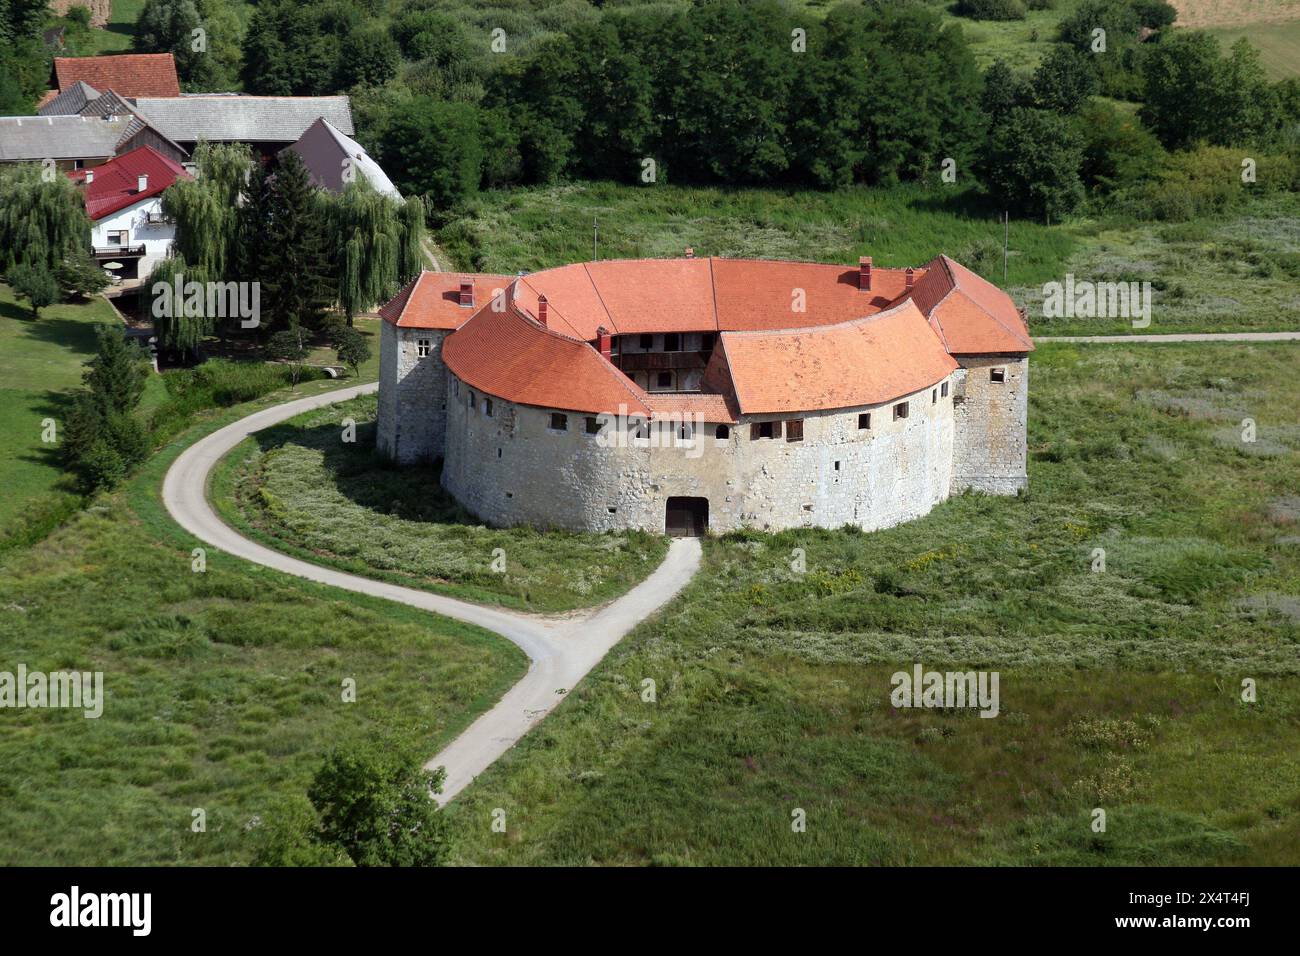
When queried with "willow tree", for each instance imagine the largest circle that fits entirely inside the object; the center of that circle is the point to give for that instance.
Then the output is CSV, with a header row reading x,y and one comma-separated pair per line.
x,y
206,208
177,322
42,219
377,244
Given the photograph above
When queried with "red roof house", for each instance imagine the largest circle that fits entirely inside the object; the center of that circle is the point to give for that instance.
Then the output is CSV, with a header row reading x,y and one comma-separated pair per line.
x,y
129,74
117,183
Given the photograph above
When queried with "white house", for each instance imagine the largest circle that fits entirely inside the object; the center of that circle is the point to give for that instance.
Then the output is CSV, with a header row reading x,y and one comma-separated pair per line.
x,y
129,233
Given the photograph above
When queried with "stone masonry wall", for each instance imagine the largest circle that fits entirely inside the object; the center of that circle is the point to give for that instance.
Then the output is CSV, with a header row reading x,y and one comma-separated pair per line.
x,y
989,453
412,394
510,467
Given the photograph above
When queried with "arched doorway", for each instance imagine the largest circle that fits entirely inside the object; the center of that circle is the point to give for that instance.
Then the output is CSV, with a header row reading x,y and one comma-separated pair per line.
x,y
687,517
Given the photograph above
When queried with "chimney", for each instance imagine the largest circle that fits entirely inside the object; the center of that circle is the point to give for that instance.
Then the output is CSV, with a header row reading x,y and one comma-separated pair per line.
x,y
864,274
911,274
90,176
141,183
467,293
690,252
605,342
541,309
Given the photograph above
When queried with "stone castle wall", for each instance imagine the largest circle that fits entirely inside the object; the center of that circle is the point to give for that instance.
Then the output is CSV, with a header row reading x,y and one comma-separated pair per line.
x,y
412,394
511,467
989,453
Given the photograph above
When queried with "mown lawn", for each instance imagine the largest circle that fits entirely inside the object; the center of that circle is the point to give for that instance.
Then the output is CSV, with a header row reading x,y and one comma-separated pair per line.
x,y
1120,689
40,365
1278,44
302,489
224,688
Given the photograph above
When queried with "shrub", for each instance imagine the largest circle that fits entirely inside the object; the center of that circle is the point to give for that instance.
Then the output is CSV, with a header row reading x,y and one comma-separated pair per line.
x,y
992,9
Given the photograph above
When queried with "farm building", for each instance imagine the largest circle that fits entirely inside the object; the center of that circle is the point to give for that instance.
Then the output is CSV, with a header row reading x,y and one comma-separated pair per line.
x,y
707,394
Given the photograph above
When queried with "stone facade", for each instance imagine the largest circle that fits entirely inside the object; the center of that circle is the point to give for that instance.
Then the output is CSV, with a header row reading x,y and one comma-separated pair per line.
x,y
412,394
989,453
508,465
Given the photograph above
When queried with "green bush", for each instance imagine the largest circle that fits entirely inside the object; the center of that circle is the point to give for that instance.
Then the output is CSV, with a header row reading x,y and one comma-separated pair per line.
x,y
992,9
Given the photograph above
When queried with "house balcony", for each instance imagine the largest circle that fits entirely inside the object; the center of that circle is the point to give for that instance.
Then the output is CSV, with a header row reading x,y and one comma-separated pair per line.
x,y
119,252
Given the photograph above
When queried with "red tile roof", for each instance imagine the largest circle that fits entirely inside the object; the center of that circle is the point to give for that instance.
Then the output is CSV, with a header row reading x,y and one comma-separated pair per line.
x,y
432,300
115,183
684,405
130,74
970,314
864,362
508,354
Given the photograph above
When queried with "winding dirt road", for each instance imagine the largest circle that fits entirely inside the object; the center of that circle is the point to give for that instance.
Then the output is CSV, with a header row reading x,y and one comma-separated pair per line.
x,y
561,651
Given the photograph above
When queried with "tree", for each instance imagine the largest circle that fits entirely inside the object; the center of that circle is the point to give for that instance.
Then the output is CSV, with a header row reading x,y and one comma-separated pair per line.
x,y
168,26
1032,164
285,239
353,349
1194,94
368,57
1064,80
42,218
291,48
102,438
433,149
1118,151
376,245
79,275
374,803
1004,90
287,346
36,284
206,209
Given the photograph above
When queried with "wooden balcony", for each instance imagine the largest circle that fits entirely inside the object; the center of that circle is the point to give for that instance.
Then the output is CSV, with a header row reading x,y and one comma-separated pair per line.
x,y
119,252
660,361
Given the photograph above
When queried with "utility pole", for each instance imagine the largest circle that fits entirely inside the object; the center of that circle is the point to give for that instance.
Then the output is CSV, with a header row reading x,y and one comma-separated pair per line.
x,y
595,232
1006,241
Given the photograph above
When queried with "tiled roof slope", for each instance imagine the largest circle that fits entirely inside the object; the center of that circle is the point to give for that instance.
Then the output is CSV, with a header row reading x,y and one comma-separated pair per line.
x,y
131,74
864,362
34,138
970,314
509,355
224,118
432,300
69,102
115,182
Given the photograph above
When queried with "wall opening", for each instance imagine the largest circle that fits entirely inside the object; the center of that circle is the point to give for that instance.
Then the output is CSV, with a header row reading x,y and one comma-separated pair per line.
x,y
687,517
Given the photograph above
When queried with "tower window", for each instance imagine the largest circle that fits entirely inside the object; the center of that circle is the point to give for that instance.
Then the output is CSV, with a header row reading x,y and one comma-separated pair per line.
x,y
943,389
997,375
487,407
559,422
593,425
934,395
900,410
422,347
864,420
794,430
722,432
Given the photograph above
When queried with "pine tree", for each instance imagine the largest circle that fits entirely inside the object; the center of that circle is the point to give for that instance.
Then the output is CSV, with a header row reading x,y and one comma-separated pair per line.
x,y
293,266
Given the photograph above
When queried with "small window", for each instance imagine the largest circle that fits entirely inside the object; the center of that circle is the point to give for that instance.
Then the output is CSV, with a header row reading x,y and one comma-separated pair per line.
x,y
647,342
672,342
765,430
943,389
487,407
593,425
118,237
997,375
613,511
422,347
685,431
706,342
837,466
78,164
722,432
559,422
934,395
864,420
498,452
794,430
664,379
470,403
455,387
900,410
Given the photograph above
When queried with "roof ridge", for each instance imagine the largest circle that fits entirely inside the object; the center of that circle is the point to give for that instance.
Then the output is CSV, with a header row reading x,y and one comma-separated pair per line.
x,y
596,289
713,290
829,326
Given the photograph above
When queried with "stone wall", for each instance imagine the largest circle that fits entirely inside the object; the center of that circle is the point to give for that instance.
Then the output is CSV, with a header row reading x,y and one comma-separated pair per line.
x,y
412,394
989,453
506,464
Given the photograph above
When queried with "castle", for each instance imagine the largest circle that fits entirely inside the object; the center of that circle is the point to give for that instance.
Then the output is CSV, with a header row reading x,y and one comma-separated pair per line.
x,y
694,394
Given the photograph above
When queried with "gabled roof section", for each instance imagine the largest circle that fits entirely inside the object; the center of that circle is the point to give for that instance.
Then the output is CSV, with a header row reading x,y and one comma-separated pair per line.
x,y
228,118
760,294
69,102
34,138
432,300
868,361
131,74
970,314
327,153
509,355
115,184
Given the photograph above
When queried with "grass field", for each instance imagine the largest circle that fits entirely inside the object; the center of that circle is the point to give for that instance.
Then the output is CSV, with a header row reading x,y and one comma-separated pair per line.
x,y
535,228
301,489
1278,43
223,688
40,365
1119,689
